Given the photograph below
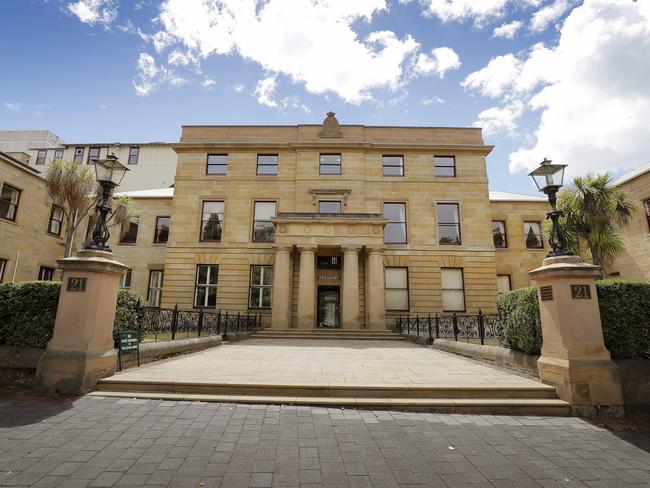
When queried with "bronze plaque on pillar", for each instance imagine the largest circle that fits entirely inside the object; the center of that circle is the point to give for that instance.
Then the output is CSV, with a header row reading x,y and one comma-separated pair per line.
x,y
581,292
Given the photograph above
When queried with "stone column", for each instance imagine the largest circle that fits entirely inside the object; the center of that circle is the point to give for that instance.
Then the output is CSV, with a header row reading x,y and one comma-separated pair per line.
x,y
81,352
375,298
574,357
281,308
350,288
307,288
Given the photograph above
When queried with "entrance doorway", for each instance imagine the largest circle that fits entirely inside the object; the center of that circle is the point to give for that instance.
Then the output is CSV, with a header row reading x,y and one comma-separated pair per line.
x,y
329,299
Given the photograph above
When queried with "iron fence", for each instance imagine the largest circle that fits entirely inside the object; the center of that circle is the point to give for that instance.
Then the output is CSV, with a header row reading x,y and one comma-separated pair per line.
x,y
468,327
172,323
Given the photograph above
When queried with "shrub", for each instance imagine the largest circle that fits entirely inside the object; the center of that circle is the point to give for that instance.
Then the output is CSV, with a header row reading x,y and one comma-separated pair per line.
x,y
519,317
624,312
28,311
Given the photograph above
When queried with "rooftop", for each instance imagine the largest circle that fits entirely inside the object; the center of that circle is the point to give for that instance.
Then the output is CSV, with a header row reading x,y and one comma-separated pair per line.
x,y
505,196
630,175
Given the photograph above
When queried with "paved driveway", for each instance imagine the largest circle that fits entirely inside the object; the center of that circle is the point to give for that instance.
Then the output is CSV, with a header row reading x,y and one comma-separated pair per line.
x,y
326,361
102,442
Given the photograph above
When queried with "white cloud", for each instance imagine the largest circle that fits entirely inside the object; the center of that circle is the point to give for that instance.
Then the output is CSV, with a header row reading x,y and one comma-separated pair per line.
x,y
441,60
509,30
94,11
498,119
308,51
431,101
591,90
548,14
239,87
148,73
14,106
479,11
264,91
208,83
179,58
499,74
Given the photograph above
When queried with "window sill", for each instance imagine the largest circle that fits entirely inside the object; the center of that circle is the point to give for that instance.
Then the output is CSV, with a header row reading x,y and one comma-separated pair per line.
x,y
127,243
9,221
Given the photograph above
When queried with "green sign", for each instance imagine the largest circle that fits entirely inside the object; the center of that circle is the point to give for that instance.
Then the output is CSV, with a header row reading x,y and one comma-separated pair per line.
x,y
128,340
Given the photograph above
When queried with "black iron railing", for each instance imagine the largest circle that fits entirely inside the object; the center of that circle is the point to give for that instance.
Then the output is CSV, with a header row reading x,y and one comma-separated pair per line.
x,y
470,328
173,323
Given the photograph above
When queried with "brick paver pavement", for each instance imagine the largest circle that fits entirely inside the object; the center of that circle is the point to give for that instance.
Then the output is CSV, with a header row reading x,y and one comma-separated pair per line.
x,y
102,442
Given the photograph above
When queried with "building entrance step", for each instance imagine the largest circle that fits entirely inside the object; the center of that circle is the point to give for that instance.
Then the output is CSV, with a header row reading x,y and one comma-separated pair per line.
x,y
328,334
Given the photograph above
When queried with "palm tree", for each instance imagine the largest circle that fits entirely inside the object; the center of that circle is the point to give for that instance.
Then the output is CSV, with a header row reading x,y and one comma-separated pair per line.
x,y
73,188
593,210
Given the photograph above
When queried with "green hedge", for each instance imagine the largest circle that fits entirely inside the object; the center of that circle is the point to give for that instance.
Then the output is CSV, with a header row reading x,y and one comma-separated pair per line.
x,y
624,311
28,310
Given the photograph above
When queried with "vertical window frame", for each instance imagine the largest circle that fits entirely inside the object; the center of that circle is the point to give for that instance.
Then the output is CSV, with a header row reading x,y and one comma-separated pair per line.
x,y
321,164
256,220
407,289
259,288
3,267
646,208
221,222
462,275
158,289
267,165
9,203
132,155
41,157
58,155
509,283
339,202
400,166
404,223
90,151
540,236
124,234
436,166
208,165
156,239
449,224
79,153
52,220
503,234
44,272
206,285
126,279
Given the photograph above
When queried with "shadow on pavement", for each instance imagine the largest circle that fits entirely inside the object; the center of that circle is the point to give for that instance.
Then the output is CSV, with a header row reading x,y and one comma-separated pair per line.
x,y
21,406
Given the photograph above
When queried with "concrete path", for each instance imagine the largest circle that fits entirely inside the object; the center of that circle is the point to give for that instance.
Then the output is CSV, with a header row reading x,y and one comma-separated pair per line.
x,y
104,442
328,362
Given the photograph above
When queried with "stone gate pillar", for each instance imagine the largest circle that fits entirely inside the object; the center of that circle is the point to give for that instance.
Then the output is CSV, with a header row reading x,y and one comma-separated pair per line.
x,y
81,349
574,357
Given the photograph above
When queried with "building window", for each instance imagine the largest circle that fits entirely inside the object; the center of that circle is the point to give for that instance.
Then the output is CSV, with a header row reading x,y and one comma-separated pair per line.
x,y
499,233
58,155
9,197
646,206
205,289
56,220
45,273
3,265
263,228
134,154
267,164
453,290
533,234
40,156
212,221
154,292
393,165
444,166
503,284
162,230
397,289
217,164
93,153
125,279
129,231
395,230
448,224
261,287
329,206
79,155
330,164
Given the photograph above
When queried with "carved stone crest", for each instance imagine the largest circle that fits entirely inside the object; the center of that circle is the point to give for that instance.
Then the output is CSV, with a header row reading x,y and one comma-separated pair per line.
x,y
330,126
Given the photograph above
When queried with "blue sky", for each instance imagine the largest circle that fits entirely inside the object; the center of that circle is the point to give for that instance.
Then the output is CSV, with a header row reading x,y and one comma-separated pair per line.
x,y
563,79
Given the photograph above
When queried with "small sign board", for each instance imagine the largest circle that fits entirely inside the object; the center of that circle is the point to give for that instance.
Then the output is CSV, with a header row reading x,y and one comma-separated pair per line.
x,y
76,284
546,292
581,292
127,341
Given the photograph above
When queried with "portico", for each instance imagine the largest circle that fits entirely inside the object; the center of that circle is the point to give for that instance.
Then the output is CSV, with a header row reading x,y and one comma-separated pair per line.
x,y
329,271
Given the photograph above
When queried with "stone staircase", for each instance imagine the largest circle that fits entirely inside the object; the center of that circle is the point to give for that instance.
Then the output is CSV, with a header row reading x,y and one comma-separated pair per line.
x,y
531,400
375,335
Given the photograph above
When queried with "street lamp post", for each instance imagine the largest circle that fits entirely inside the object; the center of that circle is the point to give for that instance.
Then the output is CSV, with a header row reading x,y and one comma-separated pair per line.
x,y
109,173
549,178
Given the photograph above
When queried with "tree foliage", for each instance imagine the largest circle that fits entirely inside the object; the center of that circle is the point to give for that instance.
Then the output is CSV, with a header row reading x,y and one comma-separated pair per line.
x,y
593,210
